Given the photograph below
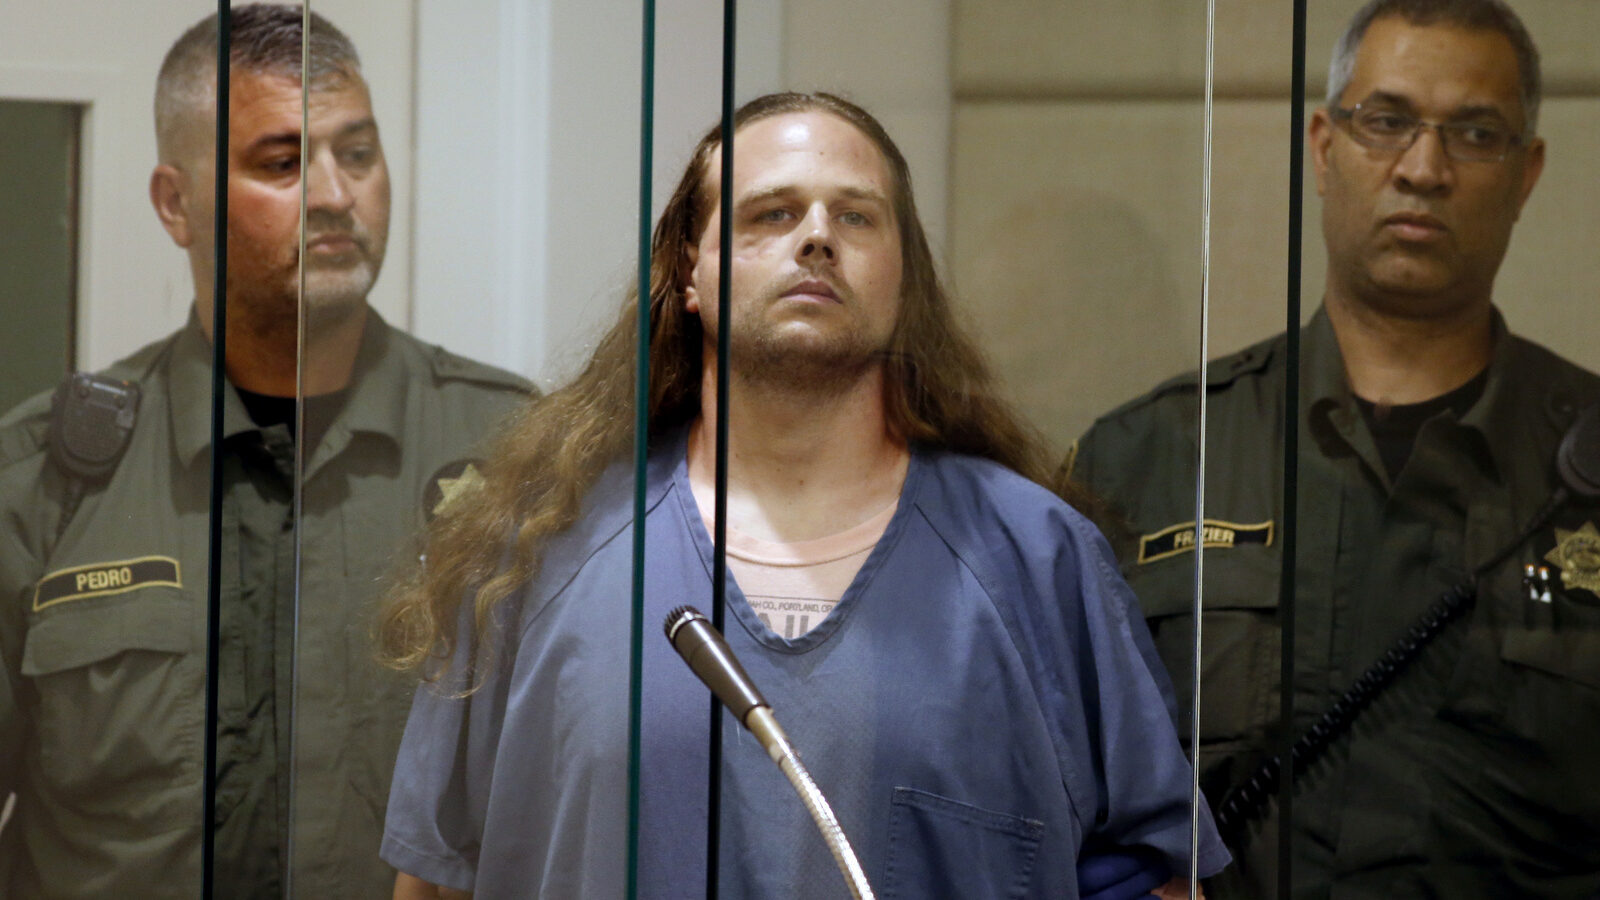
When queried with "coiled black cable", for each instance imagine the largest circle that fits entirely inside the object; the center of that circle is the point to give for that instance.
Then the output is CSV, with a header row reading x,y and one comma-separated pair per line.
x,y
1578,465
1248,799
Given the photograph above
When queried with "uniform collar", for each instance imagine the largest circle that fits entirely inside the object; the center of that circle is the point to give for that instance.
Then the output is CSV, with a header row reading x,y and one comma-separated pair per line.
x,y
1330,403
375,402
1511,406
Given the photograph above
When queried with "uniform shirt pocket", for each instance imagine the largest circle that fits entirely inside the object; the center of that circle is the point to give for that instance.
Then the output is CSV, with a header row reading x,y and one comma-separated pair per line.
x,y
119,697
939,847
1574,656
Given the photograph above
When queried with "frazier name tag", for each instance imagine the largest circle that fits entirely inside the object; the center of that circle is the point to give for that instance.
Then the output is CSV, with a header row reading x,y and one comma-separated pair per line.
x,y
100,579
1215,533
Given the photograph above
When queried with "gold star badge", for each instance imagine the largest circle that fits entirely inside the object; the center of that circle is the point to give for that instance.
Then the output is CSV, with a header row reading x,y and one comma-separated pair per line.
x,y
451,490
1578,555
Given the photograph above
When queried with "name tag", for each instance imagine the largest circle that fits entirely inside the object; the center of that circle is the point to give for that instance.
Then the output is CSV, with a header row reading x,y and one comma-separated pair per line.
x,y
1214,533
102,579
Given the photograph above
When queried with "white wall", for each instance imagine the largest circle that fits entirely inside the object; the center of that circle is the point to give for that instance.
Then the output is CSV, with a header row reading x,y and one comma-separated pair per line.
x,y
134,282
528,160
134,285
512,133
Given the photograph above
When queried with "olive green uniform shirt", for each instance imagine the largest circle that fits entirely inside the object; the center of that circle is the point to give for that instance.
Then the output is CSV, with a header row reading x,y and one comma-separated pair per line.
x,y
102,633
1477,772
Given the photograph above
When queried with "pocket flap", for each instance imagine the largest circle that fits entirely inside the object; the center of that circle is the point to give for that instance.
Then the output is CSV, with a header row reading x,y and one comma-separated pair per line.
x,y
1569,654
1245,577
157,618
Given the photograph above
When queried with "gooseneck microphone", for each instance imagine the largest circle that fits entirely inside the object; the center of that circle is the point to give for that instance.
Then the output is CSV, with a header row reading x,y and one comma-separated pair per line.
x,y
712,660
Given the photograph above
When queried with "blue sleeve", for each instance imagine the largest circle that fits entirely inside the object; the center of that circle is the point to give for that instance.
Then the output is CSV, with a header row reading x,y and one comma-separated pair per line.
x,y
1117,873
1144,776
439,796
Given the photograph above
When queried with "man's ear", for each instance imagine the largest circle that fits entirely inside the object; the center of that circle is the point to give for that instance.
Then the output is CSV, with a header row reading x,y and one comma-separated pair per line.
x,y
1532,167
1320,136
170,196
691,297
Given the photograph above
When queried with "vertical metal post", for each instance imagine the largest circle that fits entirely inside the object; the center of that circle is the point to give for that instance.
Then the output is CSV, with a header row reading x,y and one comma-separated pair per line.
x,y
641,434
219,358
719,537
1200,459
1291,451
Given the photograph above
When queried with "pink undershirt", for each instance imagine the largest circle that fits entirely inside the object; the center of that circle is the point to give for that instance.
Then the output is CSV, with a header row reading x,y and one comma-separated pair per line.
x,y
793,586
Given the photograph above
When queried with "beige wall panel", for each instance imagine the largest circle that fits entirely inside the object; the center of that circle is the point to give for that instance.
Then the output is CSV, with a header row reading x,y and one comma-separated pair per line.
x,y
1158,46
1043,46
1250,226
1075,248
1075,238
892,57
1549,284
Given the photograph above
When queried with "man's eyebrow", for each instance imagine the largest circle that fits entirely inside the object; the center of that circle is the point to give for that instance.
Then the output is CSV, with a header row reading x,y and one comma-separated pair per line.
x,y
359,125
1477,111
864,193
1387,99
1460,113
279,139
852,192
292,138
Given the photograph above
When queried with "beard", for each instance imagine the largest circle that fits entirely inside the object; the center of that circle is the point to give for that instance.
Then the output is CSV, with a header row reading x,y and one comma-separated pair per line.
x,y
265,290
334,287
816,355
808,364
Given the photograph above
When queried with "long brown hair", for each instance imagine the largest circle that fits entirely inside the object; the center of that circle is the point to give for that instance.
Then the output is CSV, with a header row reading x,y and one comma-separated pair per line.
x,y
937,393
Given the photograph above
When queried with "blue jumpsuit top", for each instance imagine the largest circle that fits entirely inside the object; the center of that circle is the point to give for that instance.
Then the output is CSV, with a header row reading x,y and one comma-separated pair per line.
x,y
983,699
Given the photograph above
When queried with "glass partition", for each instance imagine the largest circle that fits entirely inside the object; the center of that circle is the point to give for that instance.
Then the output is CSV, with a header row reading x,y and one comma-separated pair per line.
x,y
105,474
470,200
524,168
1440,577
1438,612
435,214
1077,223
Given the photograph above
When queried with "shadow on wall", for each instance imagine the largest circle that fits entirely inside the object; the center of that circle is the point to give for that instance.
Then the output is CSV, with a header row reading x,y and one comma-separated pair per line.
x,y
1078,308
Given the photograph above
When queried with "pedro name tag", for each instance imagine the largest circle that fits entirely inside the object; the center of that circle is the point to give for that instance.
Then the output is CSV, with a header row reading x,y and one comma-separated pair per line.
x,y
101,579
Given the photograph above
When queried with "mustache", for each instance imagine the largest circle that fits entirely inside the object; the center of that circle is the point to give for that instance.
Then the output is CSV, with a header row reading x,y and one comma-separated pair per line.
x,y
808,279
321,223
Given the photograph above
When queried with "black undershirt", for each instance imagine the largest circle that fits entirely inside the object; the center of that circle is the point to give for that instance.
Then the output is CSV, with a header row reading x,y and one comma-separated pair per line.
x,y
266,411
1394,428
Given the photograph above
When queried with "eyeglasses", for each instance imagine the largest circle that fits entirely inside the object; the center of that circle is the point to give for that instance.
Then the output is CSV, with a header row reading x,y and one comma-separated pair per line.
x,y
1389,129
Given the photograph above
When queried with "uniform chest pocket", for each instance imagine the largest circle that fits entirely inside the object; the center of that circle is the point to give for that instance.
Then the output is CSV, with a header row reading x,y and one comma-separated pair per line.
x,y
1563,642
119,697
1240,637
943,848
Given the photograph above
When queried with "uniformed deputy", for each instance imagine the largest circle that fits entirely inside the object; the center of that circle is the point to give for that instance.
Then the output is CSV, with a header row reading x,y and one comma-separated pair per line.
x,y
103,575
1428,445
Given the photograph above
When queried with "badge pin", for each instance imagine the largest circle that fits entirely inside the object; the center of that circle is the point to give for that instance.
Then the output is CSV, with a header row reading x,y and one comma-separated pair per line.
x,y
1577,554
448,486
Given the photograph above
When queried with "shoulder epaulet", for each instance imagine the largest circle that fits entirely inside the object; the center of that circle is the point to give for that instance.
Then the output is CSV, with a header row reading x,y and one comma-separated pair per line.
x,y
1568,388
25,429
448,366
1220,373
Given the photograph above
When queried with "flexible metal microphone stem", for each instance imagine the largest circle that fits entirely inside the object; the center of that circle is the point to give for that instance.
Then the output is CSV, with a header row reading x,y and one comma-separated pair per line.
x,y
709,656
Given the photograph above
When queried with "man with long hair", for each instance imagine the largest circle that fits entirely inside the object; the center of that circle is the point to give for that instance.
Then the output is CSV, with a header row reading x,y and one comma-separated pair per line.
x,y
945,638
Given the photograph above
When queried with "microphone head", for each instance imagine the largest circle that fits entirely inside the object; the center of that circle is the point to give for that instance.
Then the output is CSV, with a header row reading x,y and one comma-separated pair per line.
x,y
713,662
678,618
